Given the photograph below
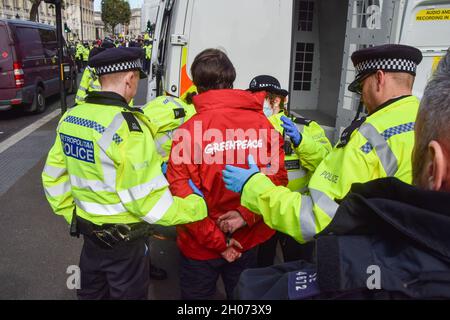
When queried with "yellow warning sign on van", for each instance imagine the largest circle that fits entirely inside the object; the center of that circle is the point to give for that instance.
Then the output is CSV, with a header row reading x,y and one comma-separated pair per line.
x,y
436,61
433,15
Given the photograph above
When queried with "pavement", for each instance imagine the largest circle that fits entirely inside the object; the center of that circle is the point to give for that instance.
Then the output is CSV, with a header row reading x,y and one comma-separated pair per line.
x,y
36,251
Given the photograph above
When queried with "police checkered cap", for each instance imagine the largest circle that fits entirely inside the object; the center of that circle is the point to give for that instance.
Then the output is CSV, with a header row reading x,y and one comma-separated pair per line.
x,y
388,57
394,65
119,67
267,83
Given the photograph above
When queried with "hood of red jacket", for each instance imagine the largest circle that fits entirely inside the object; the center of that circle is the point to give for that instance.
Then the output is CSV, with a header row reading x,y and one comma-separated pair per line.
x,y
229,98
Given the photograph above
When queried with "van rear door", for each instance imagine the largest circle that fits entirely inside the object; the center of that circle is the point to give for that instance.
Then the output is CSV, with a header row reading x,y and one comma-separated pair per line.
x,y
255,34
6,59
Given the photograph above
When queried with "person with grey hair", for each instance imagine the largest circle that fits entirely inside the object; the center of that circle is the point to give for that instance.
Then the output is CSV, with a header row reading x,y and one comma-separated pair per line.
x,y
431,160
388,239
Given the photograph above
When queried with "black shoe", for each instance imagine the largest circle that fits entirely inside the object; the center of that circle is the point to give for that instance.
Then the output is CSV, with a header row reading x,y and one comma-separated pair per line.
x,y
157,273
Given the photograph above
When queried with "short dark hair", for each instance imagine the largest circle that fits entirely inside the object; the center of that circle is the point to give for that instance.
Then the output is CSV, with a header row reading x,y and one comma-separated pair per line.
x,y
211,70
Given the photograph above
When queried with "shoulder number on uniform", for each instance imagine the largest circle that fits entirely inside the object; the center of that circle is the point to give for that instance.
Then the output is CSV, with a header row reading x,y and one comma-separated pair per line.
x,y
179,113
133,124
347,133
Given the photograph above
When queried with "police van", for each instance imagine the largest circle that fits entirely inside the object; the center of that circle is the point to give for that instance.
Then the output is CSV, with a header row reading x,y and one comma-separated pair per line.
x,y
306,44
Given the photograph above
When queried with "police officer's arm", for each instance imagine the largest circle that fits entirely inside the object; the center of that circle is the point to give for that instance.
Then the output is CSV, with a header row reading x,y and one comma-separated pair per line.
x,y
83,86
303,215
206,232
314,146
55,180
143,189
278,177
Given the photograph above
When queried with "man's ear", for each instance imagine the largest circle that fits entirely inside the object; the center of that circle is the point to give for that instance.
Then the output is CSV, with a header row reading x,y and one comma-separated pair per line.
x,y
129,78
437,168
381,79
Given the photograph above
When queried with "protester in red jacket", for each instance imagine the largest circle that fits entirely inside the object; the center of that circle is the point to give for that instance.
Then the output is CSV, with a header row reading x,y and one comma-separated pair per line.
x,y
229,125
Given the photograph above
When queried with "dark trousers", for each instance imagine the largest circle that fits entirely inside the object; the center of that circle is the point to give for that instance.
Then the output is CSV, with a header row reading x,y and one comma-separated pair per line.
x,y
79,64
198,278
292,250
146,65
118,273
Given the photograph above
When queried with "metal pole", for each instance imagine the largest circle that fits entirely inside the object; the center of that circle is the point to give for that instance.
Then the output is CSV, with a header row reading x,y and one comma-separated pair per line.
x,y
81,20
59,37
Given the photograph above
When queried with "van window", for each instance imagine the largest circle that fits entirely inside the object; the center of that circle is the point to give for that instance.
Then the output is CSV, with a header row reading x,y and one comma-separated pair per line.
x,y
49,42
5,49
30,44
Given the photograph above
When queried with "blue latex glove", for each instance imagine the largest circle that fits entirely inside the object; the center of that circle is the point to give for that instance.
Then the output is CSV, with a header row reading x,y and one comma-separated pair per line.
x,y
195,189
291,130
164,168
235,177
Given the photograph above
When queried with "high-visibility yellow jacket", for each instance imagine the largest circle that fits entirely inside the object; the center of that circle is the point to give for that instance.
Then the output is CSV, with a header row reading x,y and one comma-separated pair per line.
x,y
166,114
305,158
79,52
89,82
104,163
85,53
148,51
380,147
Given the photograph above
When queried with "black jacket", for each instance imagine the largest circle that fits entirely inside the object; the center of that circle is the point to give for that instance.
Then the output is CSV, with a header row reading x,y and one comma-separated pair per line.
x,y
403,231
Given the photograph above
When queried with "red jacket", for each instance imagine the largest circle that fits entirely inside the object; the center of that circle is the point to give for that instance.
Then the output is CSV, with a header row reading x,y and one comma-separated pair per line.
x,y
203,159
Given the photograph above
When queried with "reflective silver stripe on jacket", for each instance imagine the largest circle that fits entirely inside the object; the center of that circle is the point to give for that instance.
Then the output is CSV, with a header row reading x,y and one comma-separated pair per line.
x,y
160,208
109,133
79,98
143,190
384,152
296,174
100,209
307,219
93,185
80,87
109,170
171,99
160,143
324,202
54,172
81,93
58,190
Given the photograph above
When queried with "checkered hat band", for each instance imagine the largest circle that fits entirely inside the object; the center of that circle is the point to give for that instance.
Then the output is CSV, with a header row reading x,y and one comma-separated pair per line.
x,y
387,64
119,67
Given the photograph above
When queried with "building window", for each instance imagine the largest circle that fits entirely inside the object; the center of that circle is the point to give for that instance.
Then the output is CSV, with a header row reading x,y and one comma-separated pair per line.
x,y
305,16
304,55
361,15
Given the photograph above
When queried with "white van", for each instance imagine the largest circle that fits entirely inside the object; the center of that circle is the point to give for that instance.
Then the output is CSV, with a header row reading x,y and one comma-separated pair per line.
x,y
306,44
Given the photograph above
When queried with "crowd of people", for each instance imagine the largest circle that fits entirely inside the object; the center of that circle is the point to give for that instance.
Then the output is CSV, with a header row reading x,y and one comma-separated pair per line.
x,y
81,50
236,173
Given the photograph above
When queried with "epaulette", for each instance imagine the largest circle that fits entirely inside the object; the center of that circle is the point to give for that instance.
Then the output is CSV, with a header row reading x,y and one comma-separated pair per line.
x,y
302,121
347,133
133,124
179,113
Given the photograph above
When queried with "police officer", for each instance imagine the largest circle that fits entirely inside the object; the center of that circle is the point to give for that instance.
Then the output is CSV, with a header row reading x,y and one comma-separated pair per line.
x,y
373,147
103,176
301,160
85,54
89,80
79,55
148,55
166,114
